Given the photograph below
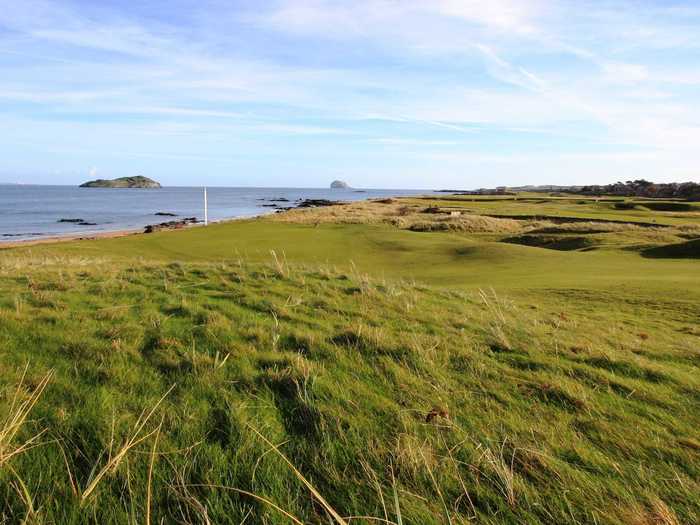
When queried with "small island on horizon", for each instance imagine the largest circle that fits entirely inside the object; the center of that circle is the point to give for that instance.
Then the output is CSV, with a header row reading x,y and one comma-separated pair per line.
x,y
122,182
339,185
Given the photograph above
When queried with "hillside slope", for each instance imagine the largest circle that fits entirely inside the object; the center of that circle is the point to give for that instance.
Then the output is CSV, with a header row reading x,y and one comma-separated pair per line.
x,y
417,376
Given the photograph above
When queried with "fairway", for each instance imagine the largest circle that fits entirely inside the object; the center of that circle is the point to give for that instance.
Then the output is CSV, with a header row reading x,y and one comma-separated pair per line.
x,y
382,251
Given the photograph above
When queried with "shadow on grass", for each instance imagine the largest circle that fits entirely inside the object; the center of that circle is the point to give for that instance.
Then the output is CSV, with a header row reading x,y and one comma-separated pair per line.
x,y
683,250
668,206
552,242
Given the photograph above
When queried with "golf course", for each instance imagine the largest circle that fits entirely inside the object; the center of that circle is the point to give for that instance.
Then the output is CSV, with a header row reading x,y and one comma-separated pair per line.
x,y
448,359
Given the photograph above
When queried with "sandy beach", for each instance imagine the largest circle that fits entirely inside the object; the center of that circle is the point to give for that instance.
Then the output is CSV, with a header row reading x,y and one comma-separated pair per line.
x,y
91,236
68,237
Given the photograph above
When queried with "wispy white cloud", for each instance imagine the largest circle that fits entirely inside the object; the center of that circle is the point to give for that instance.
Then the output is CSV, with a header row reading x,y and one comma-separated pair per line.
x,y
413,142
509,73
556,74
504,15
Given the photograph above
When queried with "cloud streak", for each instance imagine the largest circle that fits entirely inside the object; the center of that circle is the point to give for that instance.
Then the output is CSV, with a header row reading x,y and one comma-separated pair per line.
x,y
313,81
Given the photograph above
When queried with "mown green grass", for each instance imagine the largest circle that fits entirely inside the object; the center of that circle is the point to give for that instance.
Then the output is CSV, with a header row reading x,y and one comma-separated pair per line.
x,y
470,379
660,212
447,259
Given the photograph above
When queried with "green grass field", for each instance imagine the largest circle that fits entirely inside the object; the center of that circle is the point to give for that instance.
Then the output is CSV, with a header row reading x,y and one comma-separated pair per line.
x,y
411,367
662,212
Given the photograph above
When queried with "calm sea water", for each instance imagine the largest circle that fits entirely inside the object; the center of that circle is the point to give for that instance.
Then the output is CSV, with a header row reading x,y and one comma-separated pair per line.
x,y
32,212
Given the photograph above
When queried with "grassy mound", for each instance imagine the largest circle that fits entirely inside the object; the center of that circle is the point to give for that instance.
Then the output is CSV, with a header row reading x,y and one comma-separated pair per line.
x,y
468,224
586,227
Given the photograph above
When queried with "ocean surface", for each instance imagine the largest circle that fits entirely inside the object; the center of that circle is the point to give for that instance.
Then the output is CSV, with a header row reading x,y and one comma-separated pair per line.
x,y
33,212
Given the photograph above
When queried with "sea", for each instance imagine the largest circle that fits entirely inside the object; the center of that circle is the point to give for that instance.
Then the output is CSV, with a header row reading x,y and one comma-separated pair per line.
x,y
33,211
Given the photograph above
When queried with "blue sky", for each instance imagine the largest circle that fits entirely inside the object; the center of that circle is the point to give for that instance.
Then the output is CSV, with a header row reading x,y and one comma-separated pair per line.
x,y
381,93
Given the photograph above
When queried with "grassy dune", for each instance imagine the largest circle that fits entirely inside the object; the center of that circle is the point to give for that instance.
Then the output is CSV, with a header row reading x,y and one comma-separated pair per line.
x,y
414,367
376,239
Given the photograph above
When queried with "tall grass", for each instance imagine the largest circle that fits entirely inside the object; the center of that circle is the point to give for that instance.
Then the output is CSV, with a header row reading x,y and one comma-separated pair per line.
x,y
21,404
115,457
259,380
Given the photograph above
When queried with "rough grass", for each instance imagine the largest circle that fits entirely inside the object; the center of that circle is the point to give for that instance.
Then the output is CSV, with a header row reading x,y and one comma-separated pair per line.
x,y
187,367
572,207
398,213
469,224
551,232
511,409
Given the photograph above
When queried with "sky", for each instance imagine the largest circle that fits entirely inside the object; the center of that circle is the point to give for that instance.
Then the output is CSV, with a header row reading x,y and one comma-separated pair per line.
x,y
380,93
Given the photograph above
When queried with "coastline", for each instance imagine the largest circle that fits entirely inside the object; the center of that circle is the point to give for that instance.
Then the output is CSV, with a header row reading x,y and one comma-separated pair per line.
x,y
91,236
86,235
68,237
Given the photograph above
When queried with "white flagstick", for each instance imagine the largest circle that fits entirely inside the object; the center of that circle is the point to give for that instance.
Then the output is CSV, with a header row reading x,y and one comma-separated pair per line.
x,y
206,211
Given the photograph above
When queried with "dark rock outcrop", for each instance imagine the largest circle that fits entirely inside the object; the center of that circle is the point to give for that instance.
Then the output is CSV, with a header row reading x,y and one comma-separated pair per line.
x,y
77,222
317,203
170,225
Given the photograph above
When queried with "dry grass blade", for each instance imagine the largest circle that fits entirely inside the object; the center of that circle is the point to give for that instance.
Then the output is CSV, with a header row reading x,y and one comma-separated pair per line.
x,y
399,520
497,323
71,479
459,477
150,473
437,487
188,503
663,515
134,439
493,304
252,495
280,264
24,495
503,472
337,517
16,417
375,481
369,518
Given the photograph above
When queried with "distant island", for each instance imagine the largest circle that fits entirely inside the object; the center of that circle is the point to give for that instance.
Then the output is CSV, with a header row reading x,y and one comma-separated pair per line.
x,y
122,182
339,185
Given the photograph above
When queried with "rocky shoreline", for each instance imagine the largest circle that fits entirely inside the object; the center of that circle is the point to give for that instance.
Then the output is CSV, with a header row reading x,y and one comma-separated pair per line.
x,y
299,203
268,203
40,238
171,225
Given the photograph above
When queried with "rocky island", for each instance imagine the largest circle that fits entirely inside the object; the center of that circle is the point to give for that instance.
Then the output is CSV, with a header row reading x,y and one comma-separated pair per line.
x,y
122,182
339,185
